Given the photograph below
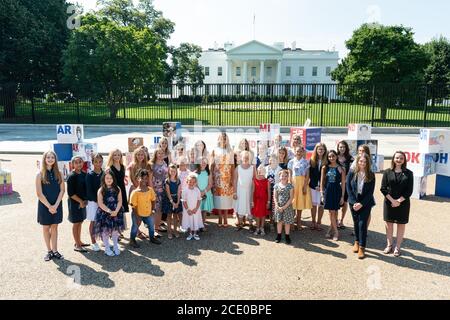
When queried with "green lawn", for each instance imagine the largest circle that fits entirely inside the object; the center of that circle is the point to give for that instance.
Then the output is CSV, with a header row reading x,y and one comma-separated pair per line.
x,y
229,113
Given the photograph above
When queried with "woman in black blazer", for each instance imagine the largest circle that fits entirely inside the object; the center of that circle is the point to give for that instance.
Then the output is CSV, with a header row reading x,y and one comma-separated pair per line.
x,y
397,187
360,187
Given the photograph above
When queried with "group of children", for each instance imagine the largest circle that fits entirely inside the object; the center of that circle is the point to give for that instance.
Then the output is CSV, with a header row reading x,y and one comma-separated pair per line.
x,y
177,188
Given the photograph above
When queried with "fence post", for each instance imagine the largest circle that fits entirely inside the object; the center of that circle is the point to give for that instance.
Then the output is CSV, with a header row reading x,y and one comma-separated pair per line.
x,y
33,114
321,107
271,103
220,104
171,101
123,104
78,111
373,106
425,108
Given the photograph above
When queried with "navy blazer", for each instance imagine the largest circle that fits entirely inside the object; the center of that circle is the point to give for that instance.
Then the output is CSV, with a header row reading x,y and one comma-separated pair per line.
x,y
366,197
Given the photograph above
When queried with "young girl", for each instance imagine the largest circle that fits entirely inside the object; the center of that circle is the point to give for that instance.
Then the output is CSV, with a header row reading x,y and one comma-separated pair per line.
x,y
263,154
243,182
192,217
299,177
261,202
205,184
160,169
50,190
200,152
183,171
284,213
171,204
115,163
332,187
92,185
283,158
345,160
164,146
109,220
272,174
76,189
317,161
140,161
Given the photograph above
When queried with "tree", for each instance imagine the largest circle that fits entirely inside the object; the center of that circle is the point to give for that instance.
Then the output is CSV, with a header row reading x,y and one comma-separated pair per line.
x,y
32,37
104,59
437,73
186,67
380,55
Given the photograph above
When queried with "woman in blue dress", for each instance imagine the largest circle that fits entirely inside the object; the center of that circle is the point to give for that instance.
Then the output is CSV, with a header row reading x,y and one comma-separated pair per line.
x,y
332,187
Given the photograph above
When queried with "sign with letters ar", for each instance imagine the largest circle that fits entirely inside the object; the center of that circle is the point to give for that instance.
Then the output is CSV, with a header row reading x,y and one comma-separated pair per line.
x,y
69,133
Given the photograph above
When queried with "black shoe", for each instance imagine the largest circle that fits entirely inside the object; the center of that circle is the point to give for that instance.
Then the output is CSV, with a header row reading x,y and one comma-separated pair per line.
x,y
48,256
278,239
134,244
288,239
158,236
155,241
57,255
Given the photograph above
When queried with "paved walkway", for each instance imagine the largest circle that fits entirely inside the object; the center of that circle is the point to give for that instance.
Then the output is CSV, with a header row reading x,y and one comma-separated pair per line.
x,y
224,264
39,138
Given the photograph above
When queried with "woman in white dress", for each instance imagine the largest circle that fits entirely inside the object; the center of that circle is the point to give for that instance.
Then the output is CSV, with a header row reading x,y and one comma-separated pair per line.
x,y
222,168
243,185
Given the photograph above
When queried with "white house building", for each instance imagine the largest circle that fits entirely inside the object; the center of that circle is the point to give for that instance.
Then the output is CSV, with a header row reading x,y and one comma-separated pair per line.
x,y
259,63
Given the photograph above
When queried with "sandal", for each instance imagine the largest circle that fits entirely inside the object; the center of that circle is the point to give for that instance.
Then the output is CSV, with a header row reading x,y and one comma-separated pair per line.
x,y
80,249
328,235
388,250
397,252
85,245
57,255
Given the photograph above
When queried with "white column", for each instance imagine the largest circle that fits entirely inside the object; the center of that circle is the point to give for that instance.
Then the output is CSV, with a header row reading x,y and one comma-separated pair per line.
x,y
229,71
278,71
244,72
261,70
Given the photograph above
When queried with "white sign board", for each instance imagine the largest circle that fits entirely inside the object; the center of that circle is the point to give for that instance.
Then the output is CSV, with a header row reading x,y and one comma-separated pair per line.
x,y
358,131
69,133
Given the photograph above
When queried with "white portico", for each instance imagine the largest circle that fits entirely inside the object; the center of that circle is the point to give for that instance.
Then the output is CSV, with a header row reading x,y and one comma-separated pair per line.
x,y
259,63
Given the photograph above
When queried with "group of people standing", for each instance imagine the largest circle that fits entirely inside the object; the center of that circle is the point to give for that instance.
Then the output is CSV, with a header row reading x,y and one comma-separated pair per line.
x,y
175,191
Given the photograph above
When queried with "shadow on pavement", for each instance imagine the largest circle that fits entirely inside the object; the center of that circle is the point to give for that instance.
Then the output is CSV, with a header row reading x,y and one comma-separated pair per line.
x,y
13,198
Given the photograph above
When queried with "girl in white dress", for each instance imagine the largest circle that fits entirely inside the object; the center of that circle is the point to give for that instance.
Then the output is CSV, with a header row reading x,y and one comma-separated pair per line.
x,y
243,183
192,216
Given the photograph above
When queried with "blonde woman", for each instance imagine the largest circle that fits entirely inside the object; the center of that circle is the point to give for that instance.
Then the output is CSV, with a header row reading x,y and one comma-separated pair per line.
x,y
222,168
115,163
50,191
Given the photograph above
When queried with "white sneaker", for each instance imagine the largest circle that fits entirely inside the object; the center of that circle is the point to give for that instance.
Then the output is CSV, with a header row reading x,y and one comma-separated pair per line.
x,y
95,247
196,237
109,252
116,251
190,236
182,230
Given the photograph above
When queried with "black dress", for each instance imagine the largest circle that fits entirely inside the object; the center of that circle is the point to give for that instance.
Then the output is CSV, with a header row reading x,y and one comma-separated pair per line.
x,y
51,192
346,164
76,185
120,178
397,185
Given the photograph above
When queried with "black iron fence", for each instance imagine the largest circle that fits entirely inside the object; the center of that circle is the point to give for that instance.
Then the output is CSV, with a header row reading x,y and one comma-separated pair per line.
x,y
382,105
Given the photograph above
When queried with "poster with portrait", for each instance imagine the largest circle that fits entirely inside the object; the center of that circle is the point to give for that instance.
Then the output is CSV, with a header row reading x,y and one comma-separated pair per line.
x,y
70,133
172,131
134,143
358,131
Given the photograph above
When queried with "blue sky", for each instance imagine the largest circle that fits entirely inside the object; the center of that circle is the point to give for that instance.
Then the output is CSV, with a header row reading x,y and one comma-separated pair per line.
x,y
317,24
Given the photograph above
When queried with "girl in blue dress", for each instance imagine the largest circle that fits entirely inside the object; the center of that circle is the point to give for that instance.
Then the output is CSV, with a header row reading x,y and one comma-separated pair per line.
x,y
332,187
109,220
50,190
171,204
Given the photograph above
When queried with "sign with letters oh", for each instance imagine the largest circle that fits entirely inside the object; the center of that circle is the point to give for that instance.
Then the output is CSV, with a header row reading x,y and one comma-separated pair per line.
x,y
69,133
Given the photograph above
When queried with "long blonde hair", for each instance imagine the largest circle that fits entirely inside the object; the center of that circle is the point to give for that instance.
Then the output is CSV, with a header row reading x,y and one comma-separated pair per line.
x,y
155,155
54,169
227,141
315,155
167,151
135,165
110,158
